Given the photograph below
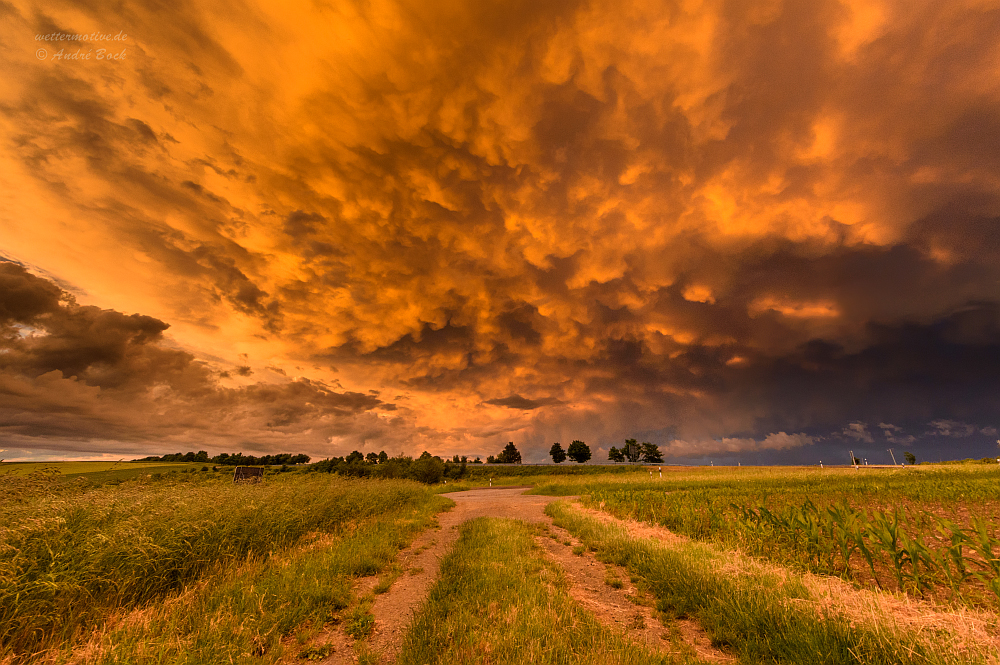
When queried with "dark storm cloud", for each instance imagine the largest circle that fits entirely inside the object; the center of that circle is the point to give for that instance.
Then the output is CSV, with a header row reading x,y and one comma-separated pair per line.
x,y
24,297
82,373
523,403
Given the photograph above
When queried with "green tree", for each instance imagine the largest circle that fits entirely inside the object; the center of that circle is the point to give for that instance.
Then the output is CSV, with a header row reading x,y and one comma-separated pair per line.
x,y
579,452
355,456
909,457
615,455
371,458
557,452
509,455
651,453
202,456
632,450
382,457
427,469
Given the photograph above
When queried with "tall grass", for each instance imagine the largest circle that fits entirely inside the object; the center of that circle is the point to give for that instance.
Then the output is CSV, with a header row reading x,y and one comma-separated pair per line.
x,y
919,547
759,615
499,601
248,613
948,485
70,559
926,531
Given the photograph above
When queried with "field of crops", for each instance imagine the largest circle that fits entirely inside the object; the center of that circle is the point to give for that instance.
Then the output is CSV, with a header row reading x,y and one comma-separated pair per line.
x,y
928,531
179,565
76,559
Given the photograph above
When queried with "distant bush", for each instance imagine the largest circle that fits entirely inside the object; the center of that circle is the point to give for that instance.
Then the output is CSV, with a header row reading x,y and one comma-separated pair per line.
x,y
427,468
357,466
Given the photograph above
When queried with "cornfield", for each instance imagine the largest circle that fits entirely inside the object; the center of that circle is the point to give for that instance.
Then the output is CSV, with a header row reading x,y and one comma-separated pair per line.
x,y
903,547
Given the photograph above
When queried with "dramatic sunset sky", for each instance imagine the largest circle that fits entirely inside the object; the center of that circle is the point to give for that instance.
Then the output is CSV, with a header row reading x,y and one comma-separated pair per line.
x,y
756,232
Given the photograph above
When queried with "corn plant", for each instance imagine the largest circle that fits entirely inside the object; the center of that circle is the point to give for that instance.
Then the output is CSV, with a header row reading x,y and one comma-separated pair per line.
x,y
920,549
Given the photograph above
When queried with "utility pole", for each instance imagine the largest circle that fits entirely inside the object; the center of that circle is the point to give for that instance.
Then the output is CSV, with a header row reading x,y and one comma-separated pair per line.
x,y
853,462
893,457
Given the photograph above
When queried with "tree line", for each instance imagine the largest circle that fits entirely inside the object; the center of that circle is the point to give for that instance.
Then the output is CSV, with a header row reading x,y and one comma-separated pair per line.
x,y
579,452
427,468
225,459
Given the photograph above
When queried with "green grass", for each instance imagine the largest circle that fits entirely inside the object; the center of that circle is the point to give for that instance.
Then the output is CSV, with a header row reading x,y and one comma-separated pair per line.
x,y
953,485
481,471
102,470
184,567
930,531
499,601
481,483
72,558
242,614
753,611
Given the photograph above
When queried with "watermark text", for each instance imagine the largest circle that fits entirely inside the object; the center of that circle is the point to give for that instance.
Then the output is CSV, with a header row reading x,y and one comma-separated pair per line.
x,y
95,36
81,54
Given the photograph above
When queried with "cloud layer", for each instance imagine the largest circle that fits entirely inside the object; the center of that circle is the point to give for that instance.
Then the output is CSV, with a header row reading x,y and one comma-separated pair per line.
x,y
752,229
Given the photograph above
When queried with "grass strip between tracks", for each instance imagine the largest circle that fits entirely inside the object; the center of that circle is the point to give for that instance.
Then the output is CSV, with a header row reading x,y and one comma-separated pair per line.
x,y
498,600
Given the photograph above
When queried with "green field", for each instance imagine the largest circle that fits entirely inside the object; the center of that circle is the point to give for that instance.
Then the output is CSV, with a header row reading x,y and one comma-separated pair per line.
x,y
98,471
167,563
930,531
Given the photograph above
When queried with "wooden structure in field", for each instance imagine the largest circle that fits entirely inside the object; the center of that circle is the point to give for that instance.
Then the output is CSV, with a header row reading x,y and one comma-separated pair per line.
x,y
248,474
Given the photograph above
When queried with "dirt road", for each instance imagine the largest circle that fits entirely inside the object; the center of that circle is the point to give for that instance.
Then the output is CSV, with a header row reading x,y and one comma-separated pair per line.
x,y
621,608
394,610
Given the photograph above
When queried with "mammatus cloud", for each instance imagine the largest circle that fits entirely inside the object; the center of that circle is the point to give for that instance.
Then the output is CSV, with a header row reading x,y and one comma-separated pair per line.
x,y
690,222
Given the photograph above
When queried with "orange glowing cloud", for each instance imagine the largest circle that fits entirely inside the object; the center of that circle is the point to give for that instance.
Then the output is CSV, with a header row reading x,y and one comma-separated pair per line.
x,y
491,221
